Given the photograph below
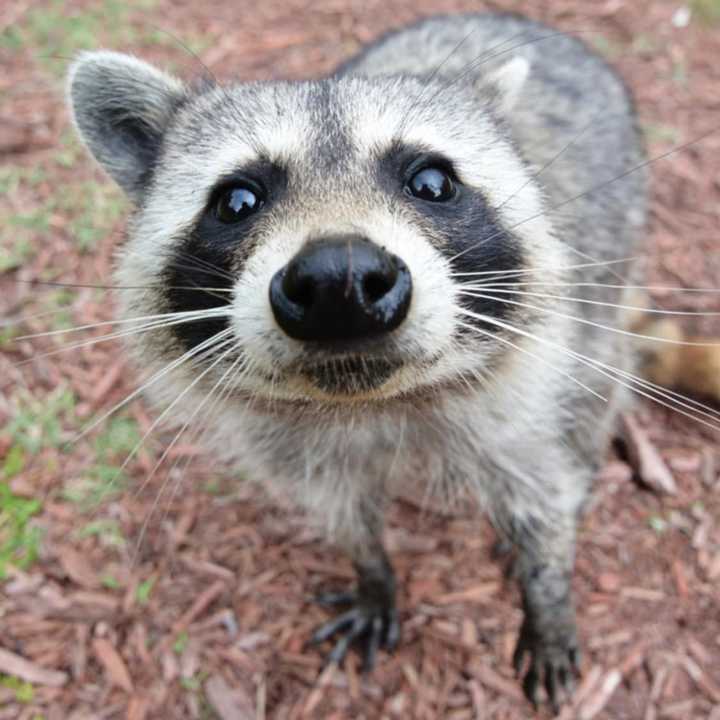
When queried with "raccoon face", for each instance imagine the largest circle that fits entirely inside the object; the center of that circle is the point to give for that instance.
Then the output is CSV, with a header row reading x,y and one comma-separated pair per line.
x,y
319,232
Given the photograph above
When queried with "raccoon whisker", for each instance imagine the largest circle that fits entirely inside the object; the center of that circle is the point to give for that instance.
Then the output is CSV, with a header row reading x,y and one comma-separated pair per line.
x,y
534,356
567,298
416,102
158,375
89,286
238,367
190,314
649,288
12,321
231,345
592,323
220,346
594,188
173,442
605,370
198,263
530,271
489,55
214,312
683,400
548,164
212,78
680,400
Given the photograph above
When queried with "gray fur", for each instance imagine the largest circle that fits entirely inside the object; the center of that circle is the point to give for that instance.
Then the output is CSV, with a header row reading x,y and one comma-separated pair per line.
x,y
469,417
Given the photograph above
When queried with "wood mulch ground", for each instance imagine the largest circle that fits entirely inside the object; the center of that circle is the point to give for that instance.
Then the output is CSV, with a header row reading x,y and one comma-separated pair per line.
x,y
187,597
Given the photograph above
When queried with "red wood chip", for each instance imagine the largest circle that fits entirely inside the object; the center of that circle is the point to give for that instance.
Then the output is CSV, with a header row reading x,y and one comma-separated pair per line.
x,y
114,665
228,703
18,666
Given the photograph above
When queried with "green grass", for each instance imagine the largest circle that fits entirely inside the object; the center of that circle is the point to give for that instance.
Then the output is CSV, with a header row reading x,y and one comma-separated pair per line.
x,y
55,33
106,530
38,424
644,44
606,47
19,540
144,589
658,524
658,133
104,480
20,231
181,642
94,208
24,691
13,176
706,11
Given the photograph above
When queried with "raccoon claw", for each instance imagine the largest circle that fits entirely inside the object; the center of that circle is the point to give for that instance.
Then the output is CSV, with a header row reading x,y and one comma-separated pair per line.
x,y
553,662
367,622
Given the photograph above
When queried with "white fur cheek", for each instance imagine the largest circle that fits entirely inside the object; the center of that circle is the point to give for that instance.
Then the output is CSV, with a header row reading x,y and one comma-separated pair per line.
x,y
262,340
431,317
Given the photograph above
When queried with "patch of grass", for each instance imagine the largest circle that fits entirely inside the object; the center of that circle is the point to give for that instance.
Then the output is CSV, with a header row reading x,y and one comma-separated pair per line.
x,y
193,684
104,479
70,150
17,246
14,462
679,72
658,524
110,582
94,489
57,32
657,133
107,531
12,177
59,302
644,44
144,589
24,691
21,231
7,336
38,424
181,642
94,207
120,436
606,47
19,540
706,11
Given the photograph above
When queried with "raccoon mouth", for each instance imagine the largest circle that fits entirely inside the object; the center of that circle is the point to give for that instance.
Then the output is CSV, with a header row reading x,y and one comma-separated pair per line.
x,y
349,375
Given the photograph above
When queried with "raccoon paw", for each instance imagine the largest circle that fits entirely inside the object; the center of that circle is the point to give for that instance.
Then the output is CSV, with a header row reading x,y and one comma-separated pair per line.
x,y
369,622
554,661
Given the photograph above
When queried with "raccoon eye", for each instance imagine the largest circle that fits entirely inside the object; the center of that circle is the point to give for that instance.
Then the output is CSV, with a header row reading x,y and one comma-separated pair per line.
x,y
432,184
237,203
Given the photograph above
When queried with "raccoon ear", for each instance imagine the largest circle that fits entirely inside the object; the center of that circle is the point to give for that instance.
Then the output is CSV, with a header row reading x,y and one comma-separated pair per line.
x,y
508,81
121,107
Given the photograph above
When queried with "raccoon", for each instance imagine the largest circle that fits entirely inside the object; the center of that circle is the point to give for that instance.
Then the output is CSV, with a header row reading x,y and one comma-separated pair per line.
x,y
329,277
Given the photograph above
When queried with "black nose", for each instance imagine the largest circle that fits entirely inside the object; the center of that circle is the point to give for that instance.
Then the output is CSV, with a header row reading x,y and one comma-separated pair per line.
x,y
343,288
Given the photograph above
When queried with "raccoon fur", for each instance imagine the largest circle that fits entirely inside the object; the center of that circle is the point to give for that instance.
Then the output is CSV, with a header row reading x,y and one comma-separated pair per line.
x,y
326,261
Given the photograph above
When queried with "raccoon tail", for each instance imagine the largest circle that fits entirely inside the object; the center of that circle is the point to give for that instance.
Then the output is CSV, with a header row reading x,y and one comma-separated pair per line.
x,y
688,363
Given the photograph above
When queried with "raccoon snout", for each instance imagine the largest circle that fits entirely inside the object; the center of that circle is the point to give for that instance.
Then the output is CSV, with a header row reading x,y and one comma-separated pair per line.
x,y
343,288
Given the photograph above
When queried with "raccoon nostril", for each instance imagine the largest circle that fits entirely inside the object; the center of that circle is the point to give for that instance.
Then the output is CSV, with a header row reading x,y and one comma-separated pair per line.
x,y
298,289
376,285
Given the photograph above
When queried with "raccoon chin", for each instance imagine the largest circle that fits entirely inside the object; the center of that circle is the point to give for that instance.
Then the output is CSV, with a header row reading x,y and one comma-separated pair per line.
x,y
349,376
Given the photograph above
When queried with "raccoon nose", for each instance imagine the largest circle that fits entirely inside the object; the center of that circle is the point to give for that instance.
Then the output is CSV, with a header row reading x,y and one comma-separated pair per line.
x,y
341,289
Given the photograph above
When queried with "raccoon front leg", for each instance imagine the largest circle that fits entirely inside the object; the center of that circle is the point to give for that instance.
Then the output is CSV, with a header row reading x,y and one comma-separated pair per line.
x,y
371,618
548,636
